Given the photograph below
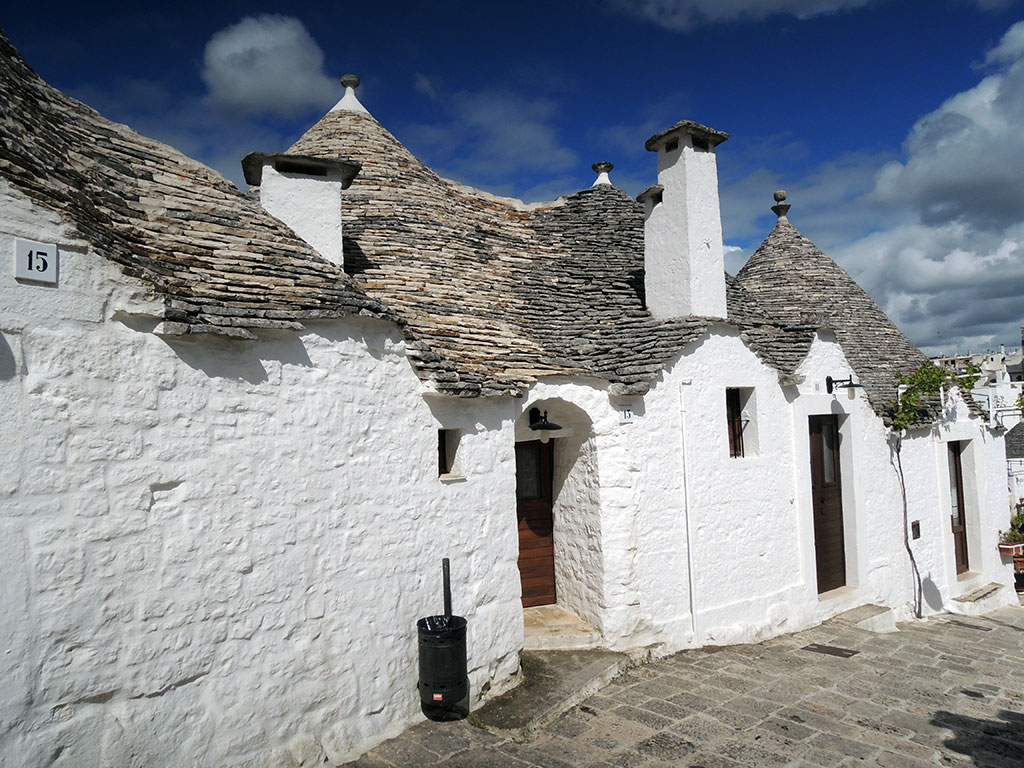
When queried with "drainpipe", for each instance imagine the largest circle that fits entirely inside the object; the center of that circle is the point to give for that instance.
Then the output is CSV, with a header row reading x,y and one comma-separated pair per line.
x,y
686,510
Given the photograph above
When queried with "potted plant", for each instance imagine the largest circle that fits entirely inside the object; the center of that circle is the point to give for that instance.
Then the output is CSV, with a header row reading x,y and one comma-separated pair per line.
x,y
1011,541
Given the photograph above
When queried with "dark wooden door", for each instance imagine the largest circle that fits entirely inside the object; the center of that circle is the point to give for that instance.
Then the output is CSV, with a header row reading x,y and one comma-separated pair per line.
x,y
956,501
534,465
827,500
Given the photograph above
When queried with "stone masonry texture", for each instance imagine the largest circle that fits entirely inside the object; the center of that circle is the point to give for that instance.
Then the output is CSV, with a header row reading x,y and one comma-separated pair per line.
x,y
946,692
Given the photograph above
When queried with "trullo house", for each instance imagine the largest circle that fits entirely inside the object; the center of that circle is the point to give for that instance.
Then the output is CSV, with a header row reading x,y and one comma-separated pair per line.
x,y
241,430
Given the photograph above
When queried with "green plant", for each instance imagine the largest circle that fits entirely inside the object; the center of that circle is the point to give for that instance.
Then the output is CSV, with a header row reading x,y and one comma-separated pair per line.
x,y
908,409
1020,401
927,380
1015,534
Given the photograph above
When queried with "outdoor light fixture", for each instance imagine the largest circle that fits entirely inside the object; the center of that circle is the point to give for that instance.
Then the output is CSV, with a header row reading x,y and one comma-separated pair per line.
x,y
540,423
847,383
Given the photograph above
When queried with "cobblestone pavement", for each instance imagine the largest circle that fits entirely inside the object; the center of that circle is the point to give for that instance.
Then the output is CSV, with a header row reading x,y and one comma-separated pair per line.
x,y
949,691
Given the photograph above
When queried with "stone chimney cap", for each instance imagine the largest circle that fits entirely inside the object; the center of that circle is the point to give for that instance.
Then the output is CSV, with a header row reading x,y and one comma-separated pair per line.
x,y
350,81
713,137
781,208
254,162
601,169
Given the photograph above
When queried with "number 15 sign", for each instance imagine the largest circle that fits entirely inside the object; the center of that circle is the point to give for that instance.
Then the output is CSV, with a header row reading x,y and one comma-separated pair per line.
x,y
35,261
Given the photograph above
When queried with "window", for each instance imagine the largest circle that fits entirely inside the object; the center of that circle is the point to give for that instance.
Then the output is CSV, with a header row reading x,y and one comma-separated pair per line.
x,y
447,451
306,169
739,416
734,415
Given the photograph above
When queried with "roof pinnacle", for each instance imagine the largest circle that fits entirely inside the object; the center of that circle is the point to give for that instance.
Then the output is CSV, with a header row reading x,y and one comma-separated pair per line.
x,y
349,100
602,169
781,207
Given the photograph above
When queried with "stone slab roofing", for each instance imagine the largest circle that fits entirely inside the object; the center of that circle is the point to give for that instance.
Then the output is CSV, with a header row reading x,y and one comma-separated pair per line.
x,y
1015,442
499,293
218,261
796,284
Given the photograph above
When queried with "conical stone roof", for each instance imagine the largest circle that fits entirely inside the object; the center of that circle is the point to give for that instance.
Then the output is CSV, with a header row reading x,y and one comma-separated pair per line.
x,y
794,282
498,292
220,263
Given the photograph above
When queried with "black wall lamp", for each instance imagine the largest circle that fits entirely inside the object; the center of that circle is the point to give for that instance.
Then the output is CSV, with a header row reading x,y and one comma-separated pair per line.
x,y
540,423
847,383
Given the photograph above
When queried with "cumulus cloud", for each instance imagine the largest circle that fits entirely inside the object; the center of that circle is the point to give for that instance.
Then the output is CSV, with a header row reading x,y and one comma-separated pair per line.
x,y
684,14
267,64
953,271
934,234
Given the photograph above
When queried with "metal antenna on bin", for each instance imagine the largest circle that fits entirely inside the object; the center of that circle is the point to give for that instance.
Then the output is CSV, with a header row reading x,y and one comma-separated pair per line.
x,y
447,576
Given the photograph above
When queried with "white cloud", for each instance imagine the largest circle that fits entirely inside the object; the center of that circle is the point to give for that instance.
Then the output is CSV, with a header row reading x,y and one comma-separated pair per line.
x,y
267,64
1010,48
935,237
684,14
953,271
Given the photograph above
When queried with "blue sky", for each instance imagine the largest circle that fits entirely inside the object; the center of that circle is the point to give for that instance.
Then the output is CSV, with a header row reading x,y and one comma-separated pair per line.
x,y
895,126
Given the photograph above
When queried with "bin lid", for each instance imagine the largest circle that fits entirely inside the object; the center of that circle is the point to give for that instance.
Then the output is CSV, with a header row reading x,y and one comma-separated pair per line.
x,y
441,623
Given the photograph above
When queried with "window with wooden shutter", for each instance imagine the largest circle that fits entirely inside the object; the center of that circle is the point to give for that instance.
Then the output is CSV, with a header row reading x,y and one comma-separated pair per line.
x,y
734,417
741,418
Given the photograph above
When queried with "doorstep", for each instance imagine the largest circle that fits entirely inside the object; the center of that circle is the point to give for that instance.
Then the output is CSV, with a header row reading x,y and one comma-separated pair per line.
x,y
552,627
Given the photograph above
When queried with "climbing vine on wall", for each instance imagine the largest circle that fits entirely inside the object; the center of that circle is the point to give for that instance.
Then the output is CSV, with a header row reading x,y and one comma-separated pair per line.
x,y
914,388
912,392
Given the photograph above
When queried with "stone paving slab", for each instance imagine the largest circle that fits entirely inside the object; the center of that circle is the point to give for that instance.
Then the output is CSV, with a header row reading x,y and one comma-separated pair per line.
x,y
944,692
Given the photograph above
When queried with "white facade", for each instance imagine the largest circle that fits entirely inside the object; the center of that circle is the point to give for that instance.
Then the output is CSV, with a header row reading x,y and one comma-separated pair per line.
x,y
215,551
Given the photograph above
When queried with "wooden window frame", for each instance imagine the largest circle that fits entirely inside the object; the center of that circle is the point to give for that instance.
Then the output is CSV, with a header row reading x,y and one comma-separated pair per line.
x,y
734,420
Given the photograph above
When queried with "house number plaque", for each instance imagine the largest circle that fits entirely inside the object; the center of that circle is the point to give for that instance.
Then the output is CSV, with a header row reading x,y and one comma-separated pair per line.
x,y
35,261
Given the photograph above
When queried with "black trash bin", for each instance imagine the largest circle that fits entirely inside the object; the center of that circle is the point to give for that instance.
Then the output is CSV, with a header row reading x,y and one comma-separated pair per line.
x,y
443,683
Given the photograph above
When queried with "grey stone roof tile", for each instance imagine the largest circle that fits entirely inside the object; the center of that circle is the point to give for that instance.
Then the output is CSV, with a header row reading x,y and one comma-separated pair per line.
x,y
1015,442
792,280
220,263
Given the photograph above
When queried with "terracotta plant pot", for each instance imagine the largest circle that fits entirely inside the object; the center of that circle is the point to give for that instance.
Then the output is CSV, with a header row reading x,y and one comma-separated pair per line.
x,y
1017,550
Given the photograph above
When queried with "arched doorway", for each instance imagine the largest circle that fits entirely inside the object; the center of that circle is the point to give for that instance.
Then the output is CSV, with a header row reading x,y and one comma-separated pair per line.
x,y
558,512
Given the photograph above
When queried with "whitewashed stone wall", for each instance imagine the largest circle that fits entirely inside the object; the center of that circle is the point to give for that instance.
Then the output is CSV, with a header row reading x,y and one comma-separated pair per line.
x,y
697,547
215,552
736,514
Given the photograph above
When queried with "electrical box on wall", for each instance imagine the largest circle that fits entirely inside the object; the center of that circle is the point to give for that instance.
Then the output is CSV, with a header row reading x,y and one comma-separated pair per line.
x,y
915,529
36,262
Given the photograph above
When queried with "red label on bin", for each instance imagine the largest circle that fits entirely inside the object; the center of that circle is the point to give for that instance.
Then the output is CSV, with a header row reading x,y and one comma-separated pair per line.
x,y
438,697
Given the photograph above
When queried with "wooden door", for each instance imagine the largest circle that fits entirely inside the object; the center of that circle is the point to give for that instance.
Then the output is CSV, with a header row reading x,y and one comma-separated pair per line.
x,y
954,452
534,466
827,501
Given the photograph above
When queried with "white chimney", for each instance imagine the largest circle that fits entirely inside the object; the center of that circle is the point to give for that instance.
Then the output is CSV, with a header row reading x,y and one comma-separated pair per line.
x,y
684,260
304,193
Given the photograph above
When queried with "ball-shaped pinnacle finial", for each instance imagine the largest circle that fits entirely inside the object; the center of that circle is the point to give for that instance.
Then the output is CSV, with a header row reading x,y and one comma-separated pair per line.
x,y
602,167
350,81
781,207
